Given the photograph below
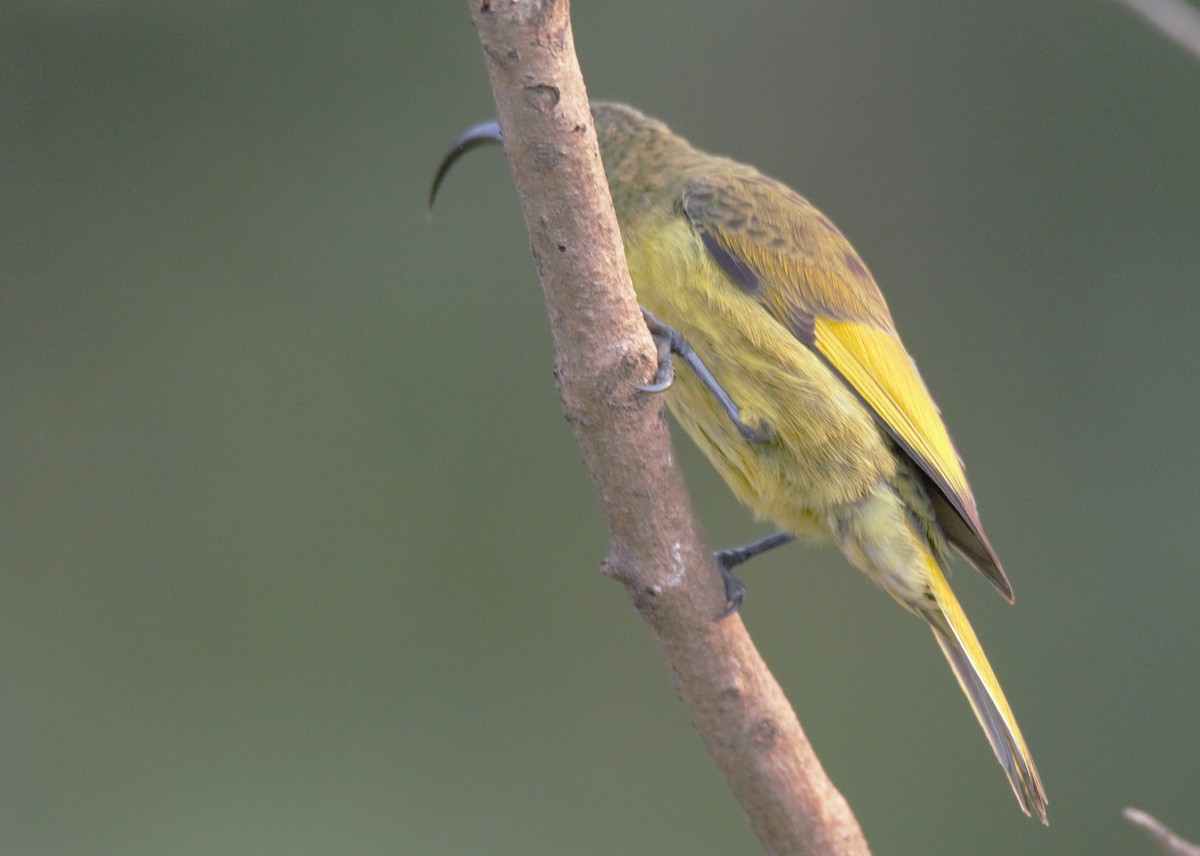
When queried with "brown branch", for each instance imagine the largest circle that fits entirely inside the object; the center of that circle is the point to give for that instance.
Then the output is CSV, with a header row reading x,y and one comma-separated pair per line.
x,y
1168,842
602,349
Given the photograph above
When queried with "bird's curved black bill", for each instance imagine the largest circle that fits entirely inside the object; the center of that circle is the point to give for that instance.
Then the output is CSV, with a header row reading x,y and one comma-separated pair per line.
x,y
482,134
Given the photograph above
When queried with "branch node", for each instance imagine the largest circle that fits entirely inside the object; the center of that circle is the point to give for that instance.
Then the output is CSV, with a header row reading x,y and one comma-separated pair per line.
x,y
764,735
543,96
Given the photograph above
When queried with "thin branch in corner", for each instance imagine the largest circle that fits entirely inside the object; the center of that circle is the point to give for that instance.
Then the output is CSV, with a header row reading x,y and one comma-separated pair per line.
x,y
1170,843
1178,20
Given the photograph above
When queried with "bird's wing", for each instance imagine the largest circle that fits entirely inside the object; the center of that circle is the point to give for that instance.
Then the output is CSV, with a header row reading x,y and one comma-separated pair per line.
x,y
775,246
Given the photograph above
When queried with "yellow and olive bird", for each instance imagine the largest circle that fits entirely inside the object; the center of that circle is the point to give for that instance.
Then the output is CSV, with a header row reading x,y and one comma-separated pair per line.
x,y
803,396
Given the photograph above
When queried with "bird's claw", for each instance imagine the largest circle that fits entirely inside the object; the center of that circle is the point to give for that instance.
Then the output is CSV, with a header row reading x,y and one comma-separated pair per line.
x,y
735,592
727,560
664,376
670,341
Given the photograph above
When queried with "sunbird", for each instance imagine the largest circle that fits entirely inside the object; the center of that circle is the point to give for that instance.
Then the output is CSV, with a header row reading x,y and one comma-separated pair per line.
x,y
801,393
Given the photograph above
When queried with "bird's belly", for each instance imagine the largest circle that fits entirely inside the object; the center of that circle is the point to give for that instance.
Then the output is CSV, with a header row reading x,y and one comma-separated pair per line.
x,y
823,448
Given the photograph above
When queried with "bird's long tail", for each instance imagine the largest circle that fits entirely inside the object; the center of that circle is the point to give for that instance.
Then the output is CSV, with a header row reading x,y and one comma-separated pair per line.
x,y
953,632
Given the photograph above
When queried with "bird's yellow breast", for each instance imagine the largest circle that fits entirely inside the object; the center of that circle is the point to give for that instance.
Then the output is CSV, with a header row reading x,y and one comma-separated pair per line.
x,y
825,448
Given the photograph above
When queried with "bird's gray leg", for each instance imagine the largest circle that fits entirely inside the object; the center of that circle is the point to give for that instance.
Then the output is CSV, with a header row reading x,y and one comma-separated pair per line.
x,y
727,560
671,341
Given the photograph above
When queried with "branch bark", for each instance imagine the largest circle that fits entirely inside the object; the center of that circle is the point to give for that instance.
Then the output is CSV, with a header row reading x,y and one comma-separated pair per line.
x,y
602,348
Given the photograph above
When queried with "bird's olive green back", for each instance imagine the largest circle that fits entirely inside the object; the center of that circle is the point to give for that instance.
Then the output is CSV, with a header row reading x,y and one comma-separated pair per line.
x,y
774,245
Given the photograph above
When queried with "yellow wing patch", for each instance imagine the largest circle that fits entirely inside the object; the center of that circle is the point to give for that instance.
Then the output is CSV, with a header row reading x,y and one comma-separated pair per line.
x,y
775,246
878,368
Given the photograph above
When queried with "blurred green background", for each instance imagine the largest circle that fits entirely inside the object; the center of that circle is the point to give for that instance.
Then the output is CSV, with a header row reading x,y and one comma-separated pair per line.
x,y
297,554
